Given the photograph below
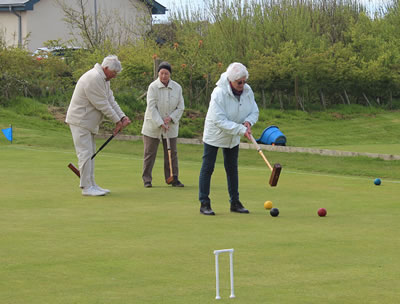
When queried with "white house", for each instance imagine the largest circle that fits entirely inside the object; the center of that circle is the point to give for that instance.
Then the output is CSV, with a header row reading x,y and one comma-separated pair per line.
x,y
33,22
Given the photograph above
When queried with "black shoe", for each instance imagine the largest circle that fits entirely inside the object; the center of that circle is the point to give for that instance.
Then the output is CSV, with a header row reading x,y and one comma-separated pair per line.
x,y
206,209
177,183
148,185
238,207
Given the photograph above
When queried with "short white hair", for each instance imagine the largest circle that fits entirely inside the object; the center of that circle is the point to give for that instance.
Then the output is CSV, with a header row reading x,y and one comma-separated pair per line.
x,y
112,63
236,71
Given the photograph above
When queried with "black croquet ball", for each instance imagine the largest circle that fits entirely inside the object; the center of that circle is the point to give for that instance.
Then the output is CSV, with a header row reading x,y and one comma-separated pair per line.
x,y
274,212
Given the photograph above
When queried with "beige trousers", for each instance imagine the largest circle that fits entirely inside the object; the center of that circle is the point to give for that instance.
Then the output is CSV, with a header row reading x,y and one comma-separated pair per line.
x,y
150,153
85,147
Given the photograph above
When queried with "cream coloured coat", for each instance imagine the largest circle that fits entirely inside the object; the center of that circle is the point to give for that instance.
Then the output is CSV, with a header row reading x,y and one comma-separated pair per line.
x,y
92,100
163,101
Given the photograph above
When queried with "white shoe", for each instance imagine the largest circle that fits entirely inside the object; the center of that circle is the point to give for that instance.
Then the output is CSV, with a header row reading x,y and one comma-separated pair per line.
x,y
97,187
92,191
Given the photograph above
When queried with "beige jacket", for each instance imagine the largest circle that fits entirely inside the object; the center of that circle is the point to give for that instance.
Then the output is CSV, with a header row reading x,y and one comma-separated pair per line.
x,y
92,100
162,102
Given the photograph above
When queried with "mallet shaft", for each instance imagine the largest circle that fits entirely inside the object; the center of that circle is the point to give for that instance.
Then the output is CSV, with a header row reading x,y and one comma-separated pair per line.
x,y
276,170
170,163
76,170
265,159
171,173
102,146
261,153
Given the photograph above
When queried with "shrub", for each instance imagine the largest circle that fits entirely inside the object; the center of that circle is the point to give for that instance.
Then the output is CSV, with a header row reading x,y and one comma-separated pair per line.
x,y
29,107
185,132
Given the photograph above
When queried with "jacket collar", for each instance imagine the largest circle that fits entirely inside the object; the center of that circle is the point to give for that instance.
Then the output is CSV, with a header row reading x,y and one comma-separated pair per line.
x,y
160,85
99,70
223,83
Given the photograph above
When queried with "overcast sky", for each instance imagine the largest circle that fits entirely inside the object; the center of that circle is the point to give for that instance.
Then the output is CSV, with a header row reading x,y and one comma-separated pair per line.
x,y
172,5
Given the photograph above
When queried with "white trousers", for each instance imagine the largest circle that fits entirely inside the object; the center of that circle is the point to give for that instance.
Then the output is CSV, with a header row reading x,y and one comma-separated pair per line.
x,y
85,147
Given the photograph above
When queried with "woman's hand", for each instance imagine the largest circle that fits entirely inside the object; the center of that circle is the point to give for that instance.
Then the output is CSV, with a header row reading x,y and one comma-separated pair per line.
x,y
248,135
248,131
165,127
167,120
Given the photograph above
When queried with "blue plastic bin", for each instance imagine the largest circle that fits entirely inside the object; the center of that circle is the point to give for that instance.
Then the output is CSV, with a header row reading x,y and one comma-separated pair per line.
x,y
272,135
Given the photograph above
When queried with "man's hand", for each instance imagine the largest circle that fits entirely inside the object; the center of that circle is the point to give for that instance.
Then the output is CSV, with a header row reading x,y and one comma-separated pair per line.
x,y
121,124
118,127
125,121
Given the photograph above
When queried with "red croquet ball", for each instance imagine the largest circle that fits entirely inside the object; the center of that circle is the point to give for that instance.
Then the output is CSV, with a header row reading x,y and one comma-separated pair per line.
x,y
322,212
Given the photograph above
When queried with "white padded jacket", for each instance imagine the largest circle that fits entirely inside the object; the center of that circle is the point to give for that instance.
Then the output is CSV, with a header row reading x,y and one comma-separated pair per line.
x,y
226,114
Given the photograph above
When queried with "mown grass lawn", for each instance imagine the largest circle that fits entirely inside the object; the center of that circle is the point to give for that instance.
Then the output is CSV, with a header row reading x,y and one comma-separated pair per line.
x,y
142,245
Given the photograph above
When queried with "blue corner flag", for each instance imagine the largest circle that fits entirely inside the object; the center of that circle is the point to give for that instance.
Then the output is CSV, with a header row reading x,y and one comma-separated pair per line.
x,y
8,133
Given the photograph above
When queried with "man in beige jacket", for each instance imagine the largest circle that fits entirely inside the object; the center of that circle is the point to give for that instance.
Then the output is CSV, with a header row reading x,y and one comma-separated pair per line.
x,y
91,101
165,107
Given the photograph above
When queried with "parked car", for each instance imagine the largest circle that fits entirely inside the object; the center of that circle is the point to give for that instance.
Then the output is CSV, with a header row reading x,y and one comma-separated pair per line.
x,y
59,51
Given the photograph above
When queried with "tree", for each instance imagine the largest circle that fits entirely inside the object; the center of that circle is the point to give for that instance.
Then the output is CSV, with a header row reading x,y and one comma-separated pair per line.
x,y
108,26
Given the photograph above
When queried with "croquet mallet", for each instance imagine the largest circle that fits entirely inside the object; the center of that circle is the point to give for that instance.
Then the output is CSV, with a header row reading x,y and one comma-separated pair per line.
x,y
76,170
276,170
171,178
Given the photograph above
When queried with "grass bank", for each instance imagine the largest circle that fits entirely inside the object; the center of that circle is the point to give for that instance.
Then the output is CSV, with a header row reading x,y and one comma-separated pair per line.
x,y
349,128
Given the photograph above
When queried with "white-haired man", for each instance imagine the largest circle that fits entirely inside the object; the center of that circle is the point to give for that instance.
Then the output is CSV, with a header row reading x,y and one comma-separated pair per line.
x,y
91,101
231,114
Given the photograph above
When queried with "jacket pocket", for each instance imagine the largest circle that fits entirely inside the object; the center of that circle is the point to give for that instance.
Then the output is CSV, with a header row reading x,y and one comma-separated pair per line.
x,y
173,100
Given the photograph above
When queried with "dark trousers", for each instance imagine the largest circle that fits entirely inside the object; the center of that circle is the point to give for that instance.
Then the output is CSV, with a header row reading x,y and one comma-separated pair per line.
x,y
150,154
207,169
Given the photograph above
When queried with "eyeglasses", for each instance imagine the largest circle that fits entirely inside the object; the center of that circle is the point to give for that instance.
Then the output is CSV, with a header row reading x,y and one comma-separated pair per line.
x,y
241,82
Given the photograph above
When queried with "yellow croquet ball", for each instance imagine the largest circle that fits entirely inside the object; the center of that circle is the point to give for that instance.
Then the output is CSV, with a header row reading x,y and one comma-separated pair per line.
x,y
268,205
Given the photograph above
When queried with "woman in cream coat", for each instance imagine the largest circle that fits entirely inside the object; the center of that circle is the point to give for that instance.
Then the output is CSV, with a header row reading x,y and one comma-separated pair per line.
x,y
165,107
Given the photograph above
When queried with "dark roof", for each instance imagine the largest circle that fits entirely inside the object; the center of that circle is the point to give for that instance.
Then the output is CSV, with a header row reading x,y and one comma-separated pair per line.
x,y
156,8
17,5
27,5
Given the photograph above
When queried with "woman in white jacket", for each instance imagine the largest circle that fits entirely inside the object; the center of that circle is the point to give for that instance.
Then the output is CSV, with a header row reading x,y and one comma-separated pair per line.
x,y
165,107
231,114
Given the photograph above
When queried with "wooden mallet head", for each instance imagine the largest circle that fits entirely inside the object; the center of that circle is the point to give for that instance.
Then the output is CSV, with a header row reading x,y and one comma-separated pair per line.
x,y
276,171
74,169
170,180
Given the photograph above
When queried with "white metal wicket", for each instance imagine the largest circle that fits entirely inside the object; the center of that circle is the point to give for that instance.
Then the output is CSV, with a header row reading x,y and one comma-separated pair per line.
x,y
217,252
